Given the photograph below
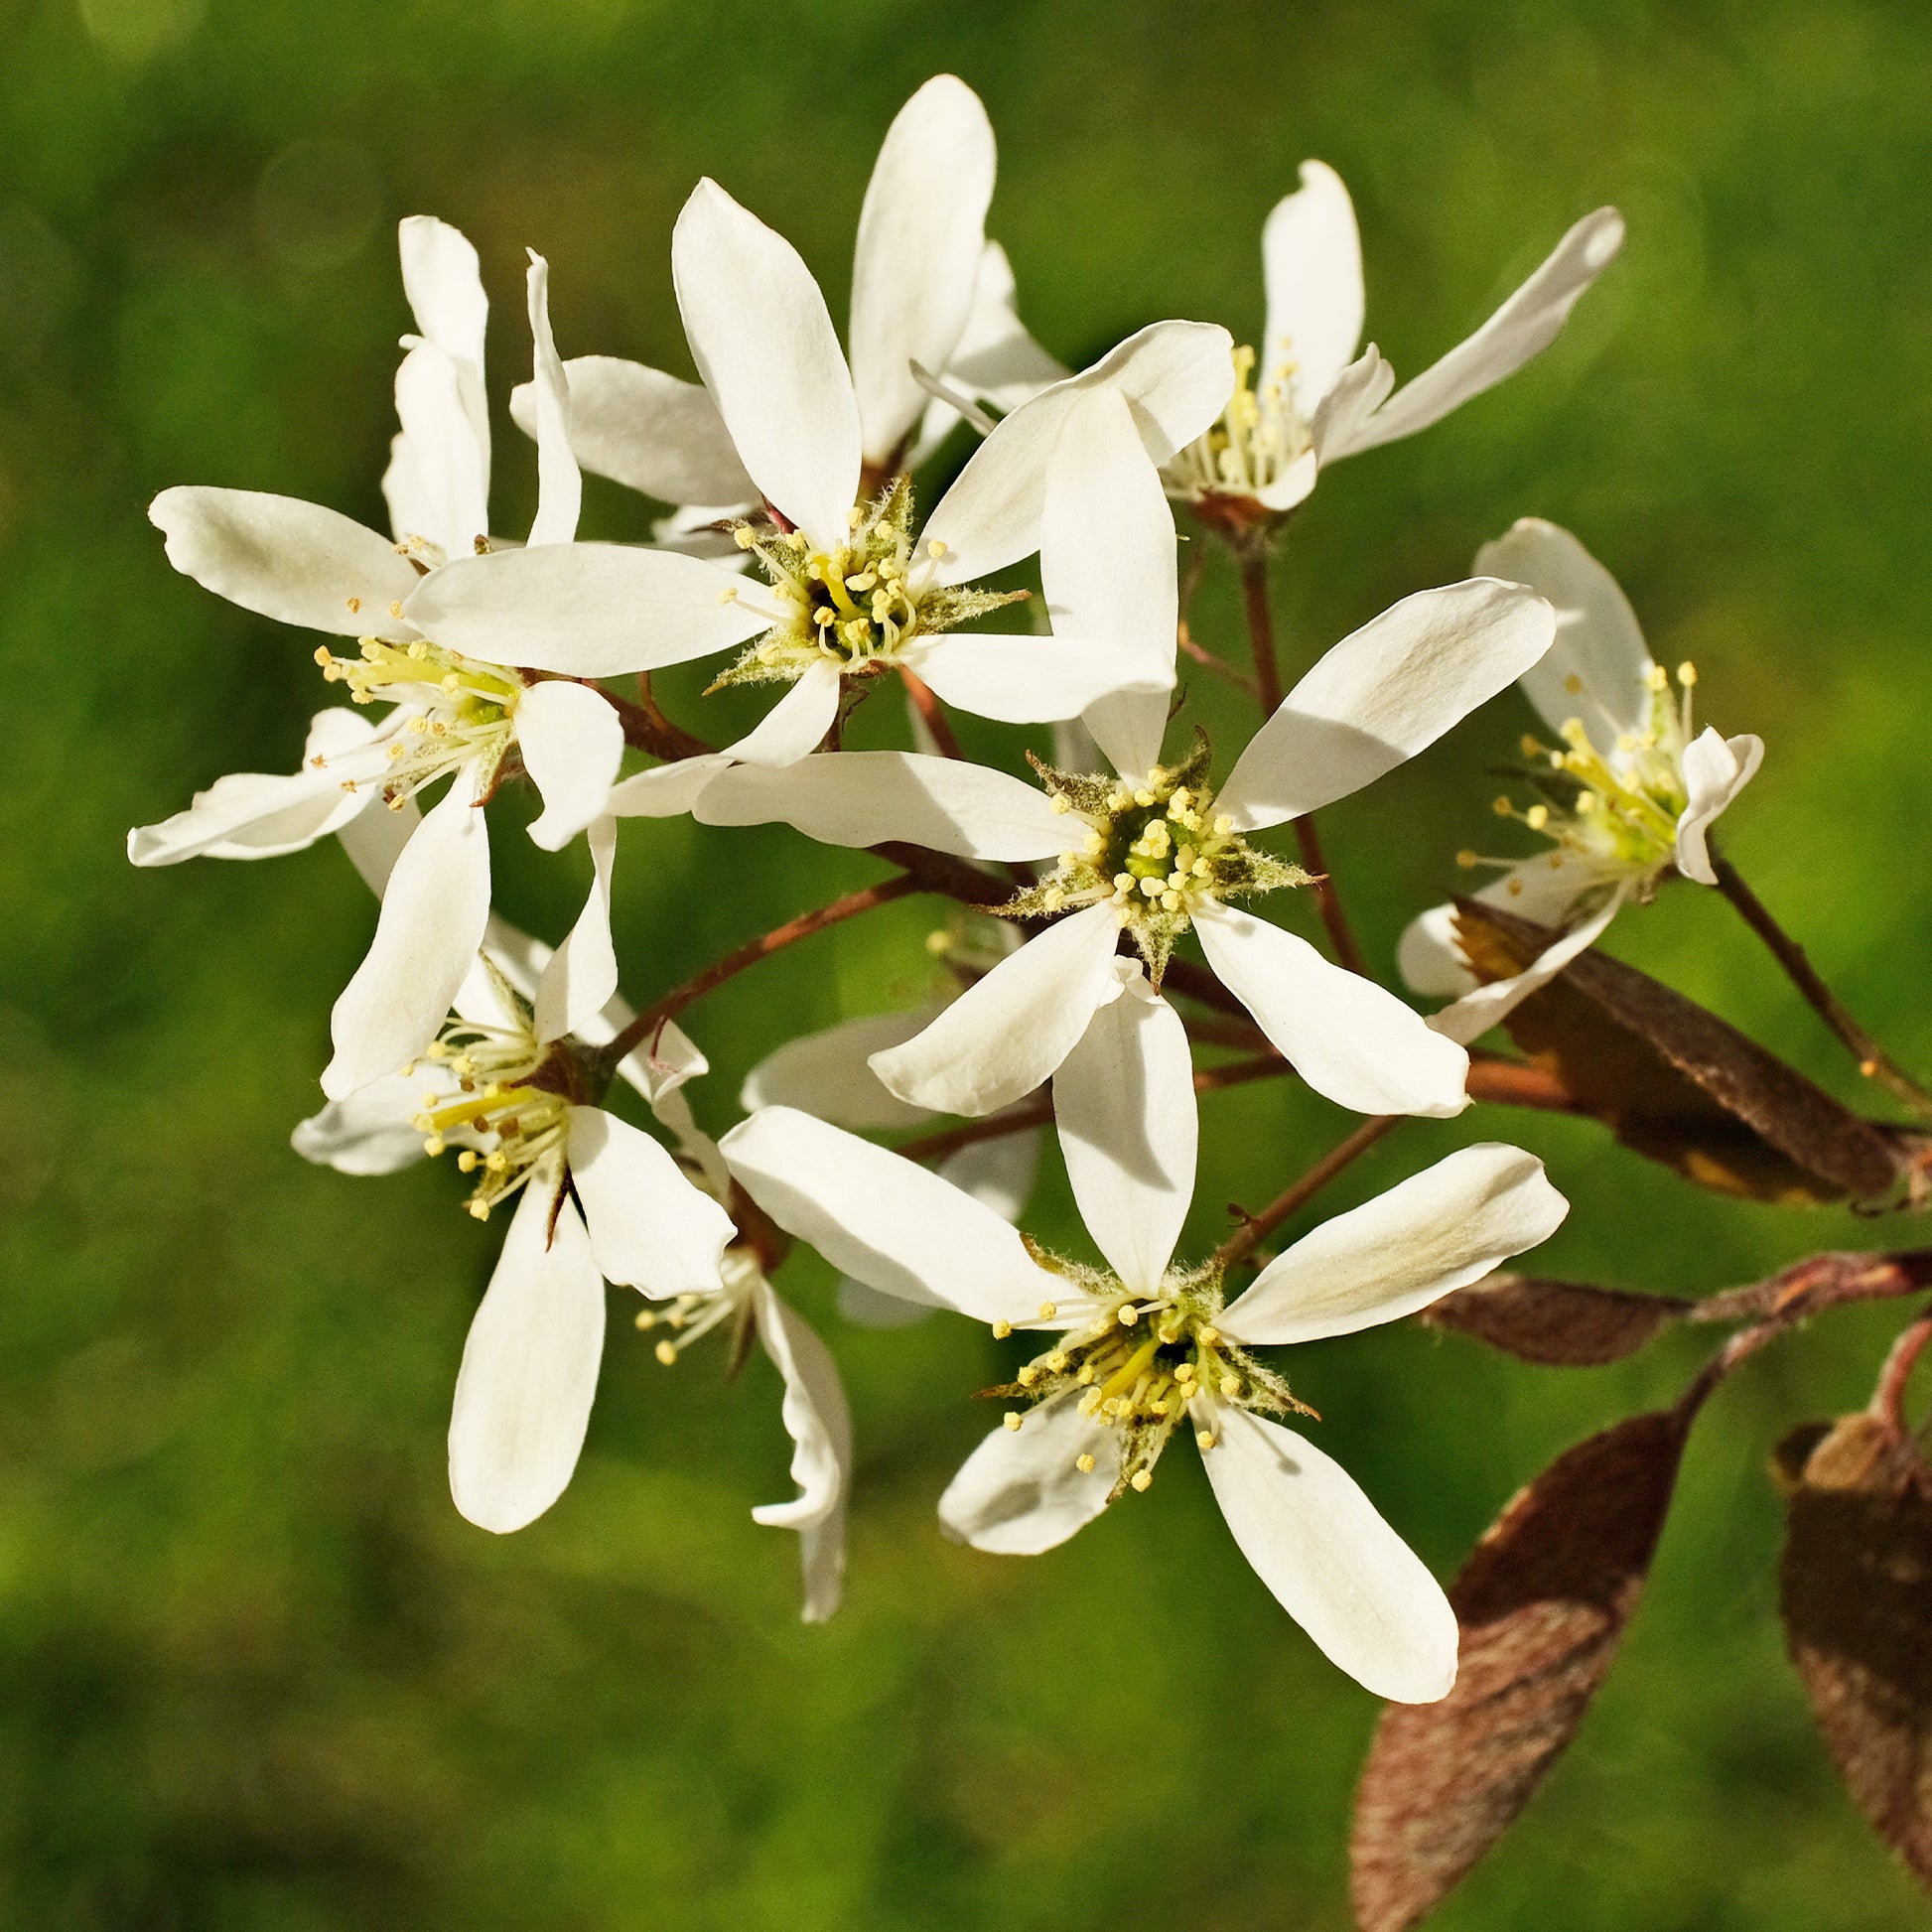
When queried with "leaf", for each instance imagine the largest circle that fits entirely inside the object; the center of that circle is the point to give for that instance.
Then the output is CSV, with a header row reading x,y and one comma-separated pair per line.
x,y
1675,1082
1543,1602
1560,1325
1854,1586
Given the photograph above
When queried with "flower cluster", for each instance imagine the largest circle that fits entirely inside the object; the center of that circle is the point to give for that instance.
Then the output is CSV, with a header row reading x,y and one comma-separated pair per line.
x,y
790,549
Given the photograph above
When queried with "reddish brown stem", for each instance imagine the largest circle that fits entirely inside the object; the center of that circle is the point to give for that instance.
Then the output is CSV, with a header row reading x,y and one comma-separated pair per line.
x,y
1219,666
1255,1228
1889,1398
1334,920
933,714
1517,1083
1261,631
647,729
647,1023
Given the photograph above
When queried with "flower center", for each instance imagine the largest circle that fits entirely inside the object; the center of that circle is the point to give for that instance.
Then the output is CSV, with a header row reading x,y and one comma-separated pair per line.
x,y
1141,1363
689,1318
506,1103
456,711
1615,811
858,605
1251,445
1156,850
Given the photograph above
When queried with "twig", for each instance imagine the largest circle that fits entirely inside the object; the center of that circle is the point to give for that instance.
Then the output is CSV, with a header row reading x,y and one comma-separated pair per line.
x,y
1334,920
1255,1228
1261,631
647,729
933,714
647,1023
1889,1398
1218,665
1518,1084
1873,1061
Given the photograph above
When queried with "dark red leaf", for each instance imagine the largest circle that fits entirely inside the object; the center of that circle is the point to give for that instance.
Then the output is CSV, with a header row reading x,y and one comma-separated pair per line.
x,y
1560,1325
1543,1602
1856,1590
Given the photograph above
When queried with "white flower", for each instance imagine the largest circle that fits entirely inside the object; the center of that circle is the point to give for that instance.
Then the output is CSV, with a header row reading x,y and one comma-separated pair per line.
x,y
1143,1346
1315,401
451,715
1627,796
852,590
927,288
1151,849
601,1201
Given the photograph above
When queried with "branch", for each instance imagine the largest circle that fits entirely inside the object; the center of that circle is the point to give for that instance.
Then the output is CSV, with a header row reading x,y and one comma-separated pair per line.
x,y
1334,920
1255,1228
1261,631
647,729
1873,1061
933,714
647,1023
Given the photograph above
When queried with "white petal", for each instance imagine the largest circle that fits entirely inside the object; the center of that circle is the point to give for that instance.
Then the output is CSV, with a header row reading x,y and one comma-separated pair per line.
x,y
1034,680
917,260
887,1220
863,798
580,976
1468,1018
1383,693
1550,889
426,939
1175,376
436,484
585,609
369,1133
1351,1041
999,1172
444,284
285,559
1355,395
1334,1564
825,1073
560,489
1525,325
996,359
646,430
259,815
820,1426
1023,1490
767,349
1439,1230
795,725
1312,260
572,742
376,838
1129,1129
650,1227
529,1371
1008,1033
1599,667
665,790
1428,958
1715,771
865,1307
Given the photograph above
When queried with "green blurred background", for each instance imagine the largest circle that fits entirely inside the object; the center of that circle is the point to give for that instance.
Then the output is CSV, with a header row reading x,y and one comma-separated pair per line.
x,y
254,1670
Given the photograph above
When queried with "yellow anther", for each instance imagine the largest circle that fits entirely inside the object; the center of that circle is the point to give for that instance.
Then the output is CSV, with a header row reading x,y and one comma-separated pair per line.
x,y
1001,1330
854,517
1208,1336
666,1352
1468,860
644,1318
466,1161
1028,1375
322,656
1572,684
1170,901
1184,1372
1655,678
1686,674
938,941
1141,1480
742,537
1204,1437
355,605
1059,804
936,547
1084,1464
434,1146
1223,825
480,1208
1049,1310
1012,1420
1129,1314
395,608
1537,817
1230,1386
496,1160
729,595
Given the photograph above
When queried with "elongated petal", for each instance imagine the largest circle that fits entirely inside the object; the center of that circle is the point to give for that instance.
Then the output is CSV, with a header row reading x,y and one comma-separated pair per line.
x,y
1599,667
1175,376
998,1174
665,790
650,1227
1715,771
767,349
369,1133
580,976
1385,692
1023,1490
560,487
437,485
862,798
1356,394
1332,1564
572,742
285,559
819,1424
865,1307
1349,1039
646,430
529,1371
444,283
426,938
1033,680
796,724
1129,1129
584,610
887,1220
376,837
1439,1230
825,1073
917,260
1008,1033
1468,1018
1552,889
1525,325
1312,261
